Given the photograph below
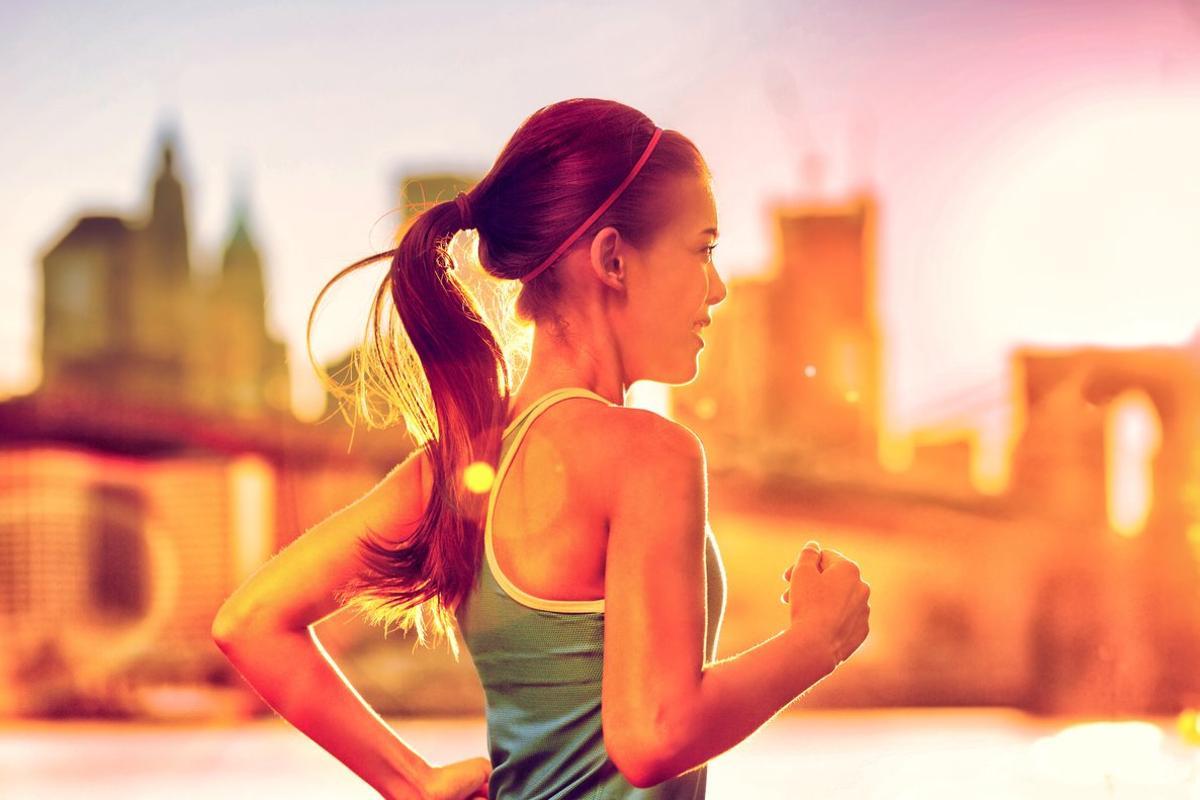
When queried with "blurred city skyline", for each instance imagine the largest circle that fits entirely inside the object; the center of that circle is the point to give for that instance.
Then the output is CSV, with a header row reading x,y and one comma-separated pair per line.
x,y
969,122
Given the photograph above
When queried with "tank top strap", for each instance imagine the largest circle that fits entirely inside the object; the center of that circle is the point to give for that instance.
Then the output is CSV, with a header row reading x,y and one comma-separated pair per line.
x,y
513,434
548,399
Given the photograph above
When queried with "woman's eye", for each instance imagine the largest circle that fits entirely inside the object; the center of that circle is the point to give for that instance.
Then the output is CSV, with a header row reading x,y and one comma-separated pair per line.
x,y
709,251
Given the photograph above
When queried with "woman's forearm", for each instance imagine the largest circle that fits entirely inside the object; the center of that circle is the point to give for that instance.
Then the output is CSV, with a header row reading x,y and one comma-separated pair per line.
x,y
736,696
292,672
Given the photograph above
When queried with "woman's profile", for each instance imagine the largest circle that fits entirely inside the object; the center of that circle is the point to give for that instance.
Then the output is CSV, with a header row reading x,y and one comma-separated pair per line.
x,y
562,535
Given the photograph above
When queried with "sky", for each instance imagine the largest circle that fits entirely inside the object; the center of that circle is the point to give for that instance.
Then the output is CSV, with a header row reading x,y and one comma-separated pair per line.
x,y
1035,162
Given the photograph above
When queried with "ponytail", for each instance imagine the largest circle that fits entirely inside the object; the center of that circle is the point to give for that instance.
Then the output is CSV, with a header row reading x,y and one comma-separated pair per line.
x,y
448,377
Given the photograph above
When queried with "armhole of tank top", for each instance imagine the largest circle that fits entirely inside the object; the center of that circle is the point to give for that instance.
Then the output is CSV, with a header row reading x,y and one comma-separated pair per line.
x,y
521,425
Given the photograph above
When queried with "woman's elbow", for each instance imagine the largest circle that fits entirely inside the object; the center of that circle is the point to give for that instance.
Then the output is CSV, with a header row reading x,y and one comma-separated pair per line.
x,y
640,770
224,628
644,761
234,622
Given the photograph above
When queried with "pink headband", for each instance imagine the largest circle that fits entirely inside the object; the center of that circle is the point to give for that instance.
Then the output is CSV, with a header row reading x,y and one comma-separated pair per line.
x,y
587,223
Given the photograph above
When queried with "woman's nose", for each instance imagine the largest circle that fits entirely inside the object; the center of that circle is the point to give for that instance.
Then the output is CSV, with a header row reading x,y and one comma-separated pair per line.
x,y
717,289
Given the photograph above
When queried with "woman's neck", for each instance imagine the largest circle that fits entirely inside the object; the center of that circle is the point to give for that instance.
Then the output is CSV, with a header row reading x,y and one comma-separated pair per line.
x,y
557,364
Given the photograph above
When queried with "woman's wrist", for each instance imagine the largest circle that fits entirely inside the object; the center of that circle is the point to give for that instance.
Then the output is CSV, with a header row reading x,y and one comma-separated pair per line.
x,y
819,658
410,778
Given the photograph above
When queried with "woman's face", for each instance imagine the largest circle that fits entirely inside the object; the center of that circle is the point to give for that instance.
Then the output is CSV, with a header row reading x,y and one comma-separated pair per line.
x,y
671,285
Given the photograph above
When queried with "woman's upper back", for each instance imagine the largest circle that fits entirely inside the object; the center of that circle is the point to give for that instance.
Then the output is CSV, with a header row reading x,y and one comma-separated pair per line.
x,y
562,463
549,514
535,624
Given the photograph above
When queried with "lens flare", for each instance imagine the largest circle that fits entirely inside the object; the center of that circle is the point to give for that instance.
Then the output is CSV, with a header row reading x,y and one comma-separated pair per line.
x,y
479,476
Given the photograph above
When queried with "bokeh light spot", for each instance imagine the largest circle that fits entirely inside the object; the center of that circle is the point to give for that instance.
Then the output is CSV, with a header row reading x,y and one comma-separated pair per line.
x,y
479,476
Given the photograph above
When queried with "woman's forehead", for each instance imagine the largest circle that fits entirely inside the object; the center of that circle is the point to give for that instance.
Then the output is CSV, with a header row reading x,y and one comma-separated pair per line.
x,y
696,207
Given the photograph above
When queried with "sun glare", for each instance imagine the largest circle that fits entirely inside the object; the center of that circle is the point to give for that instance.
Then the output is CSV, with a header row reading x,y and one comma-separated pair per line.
x,y
1131,440
1084,229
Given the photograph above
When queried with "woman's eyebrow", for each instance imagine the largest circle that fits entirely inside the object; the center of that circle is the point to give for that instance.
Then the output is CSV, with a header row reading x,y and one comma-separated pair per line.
x,y
711,231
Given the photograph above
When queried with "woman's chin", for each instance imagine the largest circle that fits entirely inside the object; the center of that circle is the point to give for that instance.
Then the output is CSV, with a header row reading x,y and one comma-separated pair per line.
x,y
684,372
681,369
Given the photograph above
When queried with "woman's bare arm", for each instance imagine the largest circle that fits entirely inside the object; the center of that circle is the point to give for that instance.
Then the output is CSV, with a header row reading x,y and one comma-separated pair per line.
x,y
665,711
264,630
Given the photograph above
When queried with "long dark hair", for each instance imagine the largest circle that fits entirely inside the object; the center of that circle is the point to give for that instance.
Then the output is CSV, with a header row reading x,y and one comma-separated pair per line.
x,y
448,374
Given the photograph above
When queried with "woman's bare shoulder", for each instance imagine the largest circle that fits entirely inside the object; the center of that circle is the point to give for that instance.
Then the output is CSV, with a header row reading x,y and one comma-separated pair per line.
x,y
610,439
613,430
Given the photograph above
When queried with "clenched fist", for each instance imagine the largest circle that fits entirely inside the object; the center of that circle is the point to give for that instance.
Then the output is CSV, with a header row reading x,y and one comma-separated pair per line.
x,y
829,599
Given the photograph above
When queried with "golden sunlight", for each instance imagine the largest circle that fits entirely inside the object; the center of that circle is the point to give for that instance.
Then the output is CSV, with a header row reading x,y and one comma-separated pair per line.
x,y
1188,725
1132,437
1083,229
1105,753
252,497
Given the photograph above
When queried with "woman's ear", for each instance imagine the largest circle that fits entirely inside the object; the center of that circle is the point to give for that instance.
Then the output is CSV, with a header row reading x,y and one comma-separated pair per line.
x,y
607,257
